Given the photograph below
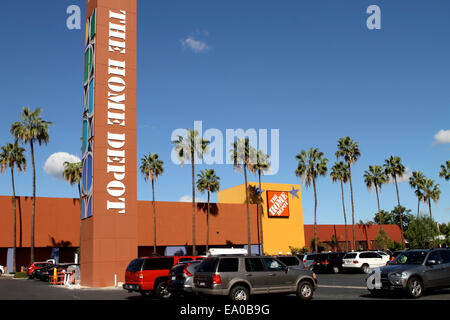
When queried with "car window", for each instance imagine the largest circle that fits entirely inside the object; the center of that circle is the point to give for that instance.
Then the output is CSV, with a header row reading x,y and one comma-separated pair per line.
x,y
158,264
435,256
364,255
272,264
134,265
228,265
321,257
300,256
410,257
192,267
289,261
184,259
177,269
253,265
208,265
445,255
350,256
310,257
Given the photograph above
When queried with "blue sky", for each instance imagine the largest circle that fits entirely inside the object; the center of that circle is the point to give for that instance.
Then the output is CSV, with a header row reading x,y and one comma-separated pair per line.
x,y
311,69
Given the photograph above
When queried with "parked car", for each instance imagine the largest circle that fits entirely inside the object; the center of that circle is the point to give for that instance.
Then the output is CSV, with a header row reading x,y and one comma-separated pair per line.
x,y
150,275
363,260
181,277
328,262
415,271
31,270
308,260
239,277
291,261
42,272
2,270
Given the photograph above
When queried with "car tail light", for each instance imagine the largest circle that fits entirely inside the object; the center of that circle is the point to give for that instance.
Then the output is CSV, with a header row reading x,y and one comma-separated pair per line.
x,y
314,262
304,261
140,275
325,262
216,279
355,261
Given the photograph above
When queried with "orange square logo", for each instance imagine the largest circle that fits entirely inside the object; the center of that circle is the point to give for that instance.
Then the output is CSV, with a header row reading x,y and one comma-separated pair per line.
x,y
278,203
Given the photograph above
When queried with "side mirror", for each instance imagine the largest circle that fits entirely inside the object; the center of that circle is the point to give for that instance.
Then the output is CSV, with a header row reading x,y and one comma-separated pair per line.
x,y
431,262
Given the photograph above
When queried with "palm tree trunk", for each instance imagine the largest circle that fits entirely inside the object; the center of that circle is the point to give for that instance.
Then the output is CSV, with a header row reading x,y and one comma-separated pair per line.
x,y
14,223
207,223
353,206
315,216
429,207
34,203
194,250
400,213
248,212
260,215
418,207
379,211
345,217
79,246
154,217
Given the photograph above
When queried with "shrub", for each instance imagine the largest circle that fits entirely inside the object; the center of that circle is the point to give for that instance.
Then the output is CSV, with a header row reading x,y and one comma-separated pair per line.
x,y
20,275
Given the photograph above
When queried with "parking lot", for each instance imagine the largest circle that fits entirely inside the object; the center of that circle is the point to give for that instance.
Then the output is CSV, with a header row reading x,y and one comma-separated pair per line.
x,y
343,286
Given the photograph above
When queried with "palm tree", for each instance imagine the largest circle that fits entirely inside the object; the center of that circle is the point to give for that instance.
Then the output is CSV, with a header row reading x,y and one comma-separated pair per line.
x,y
262,165
349,150
340,172
375,177
416,182
13,156
186,148
430,192
365,225
394,168
73,172
445,171
244,156
311,165
208,181
31,129
151,168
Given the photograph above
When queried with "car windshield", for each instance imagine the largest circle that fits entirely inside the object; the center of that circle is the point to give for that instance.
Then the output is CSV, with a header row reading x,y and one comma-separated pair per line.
x,y
412,257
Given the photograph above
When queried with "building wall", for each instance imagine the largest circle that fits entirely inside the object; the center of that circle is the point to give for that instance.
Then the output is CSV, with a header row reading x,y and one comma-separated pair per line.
x,y
278,233
365,235
58,225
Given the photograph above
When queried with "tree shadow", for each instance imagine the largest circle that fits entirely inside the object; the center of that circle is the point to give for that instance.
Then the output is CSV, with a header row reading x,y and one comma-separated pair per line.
x,y
213,208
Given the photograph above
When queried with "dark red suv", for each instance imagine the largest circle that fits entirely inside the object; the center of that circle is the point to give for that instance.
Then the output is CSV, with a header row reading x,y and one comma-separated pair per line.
x,y
150,275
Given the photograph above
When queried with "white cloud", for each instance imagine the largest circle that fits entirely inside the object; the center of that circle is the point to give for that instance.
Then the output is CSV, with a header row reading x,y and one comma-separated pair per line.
x,y
195,44
189,199
443,136
54,165
404,178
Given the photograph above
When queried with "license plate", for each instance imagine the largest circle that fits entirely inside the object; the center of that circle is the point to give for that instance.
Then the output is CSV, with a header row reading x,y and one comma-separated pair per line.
x,y
173,278
202,284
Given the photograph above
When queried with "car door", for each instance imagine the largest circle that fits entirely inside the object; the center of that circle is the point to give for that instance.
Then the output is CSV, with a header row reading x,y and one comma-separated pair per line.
x,y
435,273
445,255
256,274
279,278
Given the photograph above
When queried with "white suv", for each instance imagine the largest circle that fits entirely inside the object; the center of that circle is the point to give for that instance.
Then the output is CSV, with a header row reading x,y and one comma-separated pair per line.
x,y
364,260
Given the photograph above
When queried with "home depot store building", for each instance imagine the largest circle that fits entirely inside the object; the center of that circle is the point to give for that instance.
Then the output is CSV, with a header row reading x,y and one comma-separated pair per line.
x,y
57,231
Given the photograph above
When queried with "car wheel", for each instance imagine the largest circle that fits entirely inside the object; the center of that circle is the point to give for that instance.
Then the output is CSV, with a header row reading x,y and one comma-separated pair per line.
x,y
239,293
365,268
414,287
305,290
162,290
336,269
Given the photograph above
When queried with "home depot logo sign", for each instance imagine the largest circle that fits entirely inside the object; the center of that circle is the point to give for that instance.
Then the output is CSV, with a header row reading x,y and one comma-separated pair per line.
x,y
278,202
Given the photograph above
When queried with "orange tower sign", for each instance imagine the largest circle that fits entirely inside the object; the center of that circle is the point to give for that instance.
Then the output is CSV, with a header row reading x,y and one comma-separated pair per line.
x,y
109,202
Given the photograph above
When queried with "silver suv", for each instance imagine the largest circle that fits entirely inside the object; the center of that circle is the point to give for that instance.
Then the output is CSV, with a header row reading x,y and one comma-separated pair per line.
x,y
413,271
238,277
